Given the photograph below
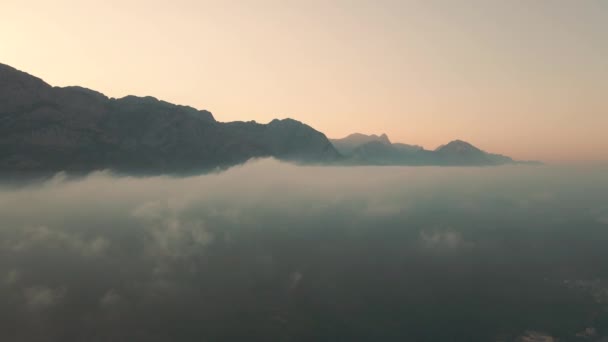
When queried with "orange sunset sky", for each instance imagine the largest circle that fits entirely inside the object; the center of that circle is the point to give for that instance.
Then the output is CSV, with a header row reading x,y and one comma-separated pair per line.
x,y
528,79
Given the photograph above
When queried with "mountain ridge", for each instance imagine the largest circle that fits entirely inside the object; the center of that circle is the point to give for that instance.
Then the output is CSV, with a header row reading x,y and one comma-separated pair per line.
x,y
46,129
368,149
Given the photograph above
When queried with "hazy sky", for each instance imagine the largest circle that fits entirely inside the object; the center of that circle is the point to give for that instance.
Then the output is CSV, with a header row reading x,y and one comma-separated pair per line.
x,y
524,78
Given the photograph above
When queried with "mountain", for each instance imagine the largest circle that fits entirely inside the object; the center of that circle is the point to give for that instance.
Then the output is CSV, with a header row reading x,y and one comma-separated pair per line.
x,y
45,129
358,139
460,152
360,149
348,144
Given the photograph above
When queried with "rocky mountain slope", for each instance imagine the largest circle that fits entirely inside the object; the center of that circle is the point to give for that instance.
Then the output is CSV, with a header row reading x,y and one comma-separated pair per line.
x,y
45,129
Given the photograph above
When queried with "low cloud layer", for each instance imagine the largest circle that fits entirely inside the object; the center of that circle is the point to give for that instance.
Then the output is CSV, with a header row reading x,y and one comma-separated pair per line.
x,y
42,297
274,251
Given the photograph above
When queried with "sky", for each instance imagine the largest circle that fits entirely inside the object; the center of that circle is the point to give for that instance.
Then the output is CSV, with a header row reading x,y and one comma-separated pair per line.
x,y
527,79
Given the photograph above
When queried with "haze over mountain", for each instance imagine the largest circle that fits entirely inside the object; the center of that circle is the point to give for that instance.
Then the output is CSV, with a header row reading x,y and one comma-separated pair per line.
x,y
47,129
348,144
218,209
378,150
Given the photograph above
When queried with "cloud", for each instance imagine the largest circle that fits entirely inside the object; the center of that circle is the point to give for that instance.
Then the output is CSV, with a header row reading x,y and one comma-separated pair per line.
x,y
175,238
172,234
153,210
294,279
12,277
235,248
443,239
109,299
587,333
34,237
596,288
42,297
535,336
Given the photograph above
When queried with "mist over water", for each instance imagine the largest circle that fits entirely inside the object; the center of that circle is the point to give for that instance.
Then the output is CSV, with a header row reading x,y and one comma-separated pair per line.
x,y
271,251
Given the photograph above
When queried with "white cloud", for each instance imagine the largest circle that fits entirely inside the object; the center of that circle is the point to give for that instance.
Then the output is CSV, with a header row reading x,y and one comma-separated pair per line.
x,y
535,336
97,246
109,299
294,279
443,239
149,211
12,277
172,235
384,207
32,237
587,333
42,297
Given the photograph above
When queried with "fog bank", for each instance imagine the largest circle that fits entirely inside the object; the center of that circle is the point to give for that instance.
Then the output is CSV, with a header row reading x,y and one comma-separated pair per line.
x,y
274,251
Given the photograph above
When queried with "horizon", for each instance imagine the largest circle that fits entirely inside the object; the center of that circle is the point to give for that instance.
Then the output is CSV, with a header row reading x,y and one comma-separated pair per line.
x,y
378,135
523,80
303,170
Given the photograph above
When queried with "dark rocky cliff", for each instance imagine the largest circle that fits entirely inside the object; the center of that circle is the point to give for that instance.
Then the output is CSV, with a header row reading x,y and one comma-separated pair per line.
x,y
45,129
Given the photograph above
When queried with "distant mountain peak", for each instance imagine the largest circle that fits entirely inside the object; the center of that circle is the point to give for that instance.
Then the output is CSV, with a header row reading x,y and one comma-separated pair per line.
x,y
384,138
8,73
19,89
458,146
286,121
361,138
85,91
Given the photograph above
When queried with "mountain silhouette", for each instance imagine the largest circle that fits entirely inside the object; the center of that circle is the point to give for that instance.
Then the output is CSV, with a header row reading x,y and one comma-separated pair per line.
x,y
348,144
378,150
45,129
